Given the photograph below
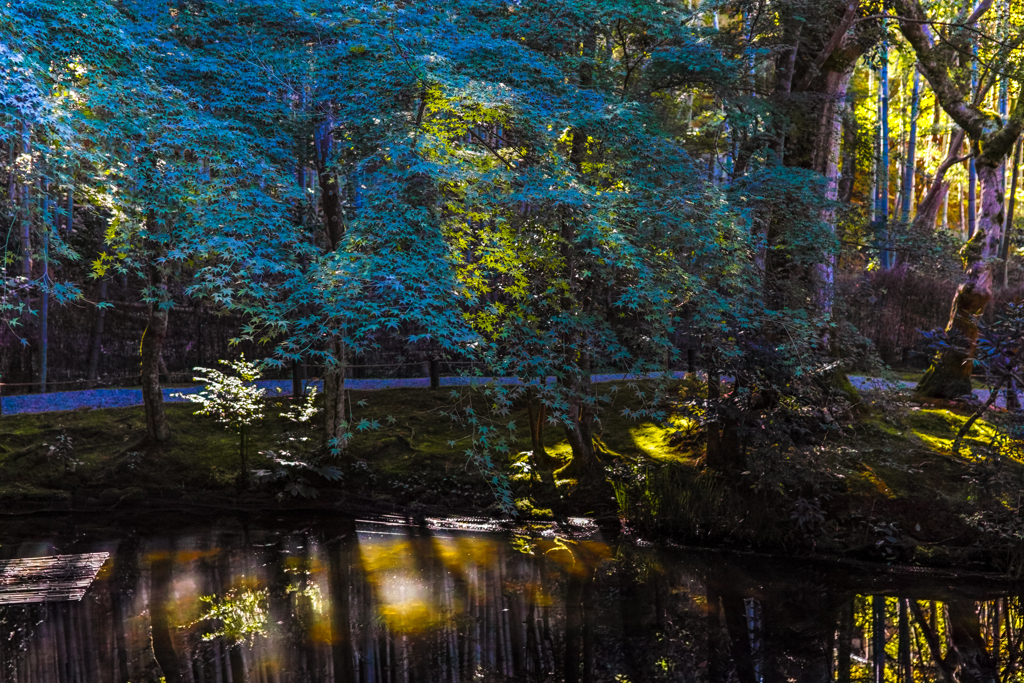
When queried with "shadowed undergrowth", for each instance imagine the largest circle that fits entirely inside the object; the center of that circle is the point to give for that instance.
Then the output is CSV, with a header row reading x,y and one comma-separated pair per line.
x,y
885,487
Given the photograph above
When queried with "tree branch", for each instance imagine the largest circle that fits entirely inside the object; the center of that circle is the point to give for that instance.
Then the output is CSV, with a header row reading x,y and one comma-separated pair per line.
x,y
933,62
833,42
491,149
978,13
966,427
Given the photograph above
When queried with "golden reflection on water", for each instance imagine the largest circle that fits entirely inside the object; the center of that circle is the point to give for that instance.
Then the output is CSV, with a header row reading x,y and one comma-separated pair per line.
x,y
389,604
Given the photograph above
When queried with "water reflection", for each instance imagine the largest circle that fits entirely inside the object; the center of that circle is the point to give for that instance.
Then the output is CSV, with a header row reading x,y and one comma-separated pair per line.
x,y
341,601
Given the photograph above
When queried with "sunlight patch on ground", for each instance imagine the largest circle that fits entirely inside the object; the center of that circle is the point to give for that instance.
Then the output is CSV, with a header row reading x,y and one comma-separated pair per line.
x,y
653,440
938,428
878,483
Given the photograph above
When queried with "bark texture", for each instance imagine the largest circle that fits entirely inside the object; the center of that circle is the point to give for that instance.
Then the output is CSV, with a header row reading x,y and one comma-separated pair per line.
x,y
157,430
991,142
949,375
96,347
334,394
334,227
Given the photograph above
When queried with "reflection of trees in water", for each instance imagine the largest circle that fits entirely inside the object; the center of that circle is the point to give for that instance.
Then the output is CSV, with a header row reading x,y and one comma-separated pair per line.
x,y
409,606
17,625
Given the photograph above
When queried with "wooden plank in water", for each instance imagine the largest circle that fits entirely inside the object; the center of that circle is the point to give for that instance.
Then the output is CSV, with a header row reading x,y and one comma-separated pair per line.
x,y
53,578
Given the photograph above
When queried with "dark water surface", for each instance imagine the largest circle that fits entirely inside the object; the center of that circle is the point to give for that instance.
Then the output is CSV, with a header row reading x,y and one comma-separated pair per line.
x,y
233,599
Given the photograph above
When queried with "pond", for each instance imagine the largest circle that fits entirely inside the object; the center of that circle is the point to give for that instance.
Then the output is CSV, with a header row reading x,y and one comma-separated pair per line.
x,y
242,597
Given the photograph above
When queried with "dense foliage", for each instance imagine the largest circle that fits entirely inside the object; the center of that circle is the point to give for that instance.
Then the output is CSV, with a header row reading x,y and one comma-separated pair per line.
x,y
545,190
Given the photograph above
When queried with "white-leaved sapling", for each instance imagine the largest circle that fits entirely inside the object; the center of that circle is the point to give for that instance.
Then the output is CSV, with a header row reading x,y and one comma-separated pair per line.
x,y
233,401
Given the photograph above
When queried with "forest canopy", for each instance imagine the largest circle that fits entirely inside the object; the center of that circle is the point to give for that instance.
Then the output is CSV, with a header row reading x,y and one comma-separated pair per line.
x,y
532,189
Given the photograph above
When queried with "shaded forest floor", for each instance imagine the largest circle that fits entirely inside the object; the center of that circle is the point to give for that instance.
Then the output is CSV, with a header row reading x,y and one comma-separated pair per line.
x,y
884,486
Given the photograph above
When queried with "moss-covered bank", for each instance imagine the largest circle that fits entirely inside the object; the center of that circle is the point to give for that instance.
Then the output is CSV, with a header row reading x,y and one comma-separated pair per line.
x,y
884,487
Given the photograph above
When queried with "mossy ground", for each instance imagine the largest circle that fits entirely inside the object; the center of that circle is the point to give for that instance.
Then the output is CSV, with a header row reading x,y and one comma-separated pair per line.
x,y
416,456
885,486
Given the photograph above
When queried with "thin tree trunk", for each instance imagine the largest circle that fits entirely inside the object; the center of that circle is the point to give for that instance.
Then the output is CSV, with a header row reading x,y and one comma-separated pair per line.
x,y
848,175
739,636
784,83
961,209
844,659
26,213
152,342
334,395
579,423
938,191
906,666
339,556
538,414
335,424
972,203
96,347
945,208
966,426
911,160
882,199
713,451
44,301
825,160
878,637
972,172
330,192
1004,250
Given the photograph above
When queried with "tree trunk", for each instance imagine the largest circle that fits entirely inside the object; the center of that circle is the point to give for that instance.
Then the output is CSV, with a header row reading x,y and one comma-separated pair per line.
x,y
579,427
938,191
330,193
44,302
334,396
826,162
845,644
848,174
911,160
538,414
579,432
1004,250
713,451
339,555
334,225
822,76
972,194
157,430
950,373
976,663
906,668
96,347
160,595
882,185
878,637
737,626
26,214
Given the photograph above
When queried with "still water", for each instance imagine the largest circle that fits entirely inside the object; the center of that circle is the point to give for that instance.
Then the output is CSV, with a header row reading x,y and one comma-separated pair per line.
x,y
240,599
